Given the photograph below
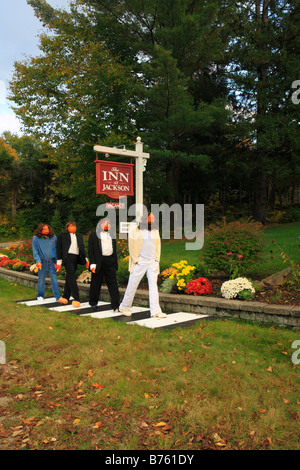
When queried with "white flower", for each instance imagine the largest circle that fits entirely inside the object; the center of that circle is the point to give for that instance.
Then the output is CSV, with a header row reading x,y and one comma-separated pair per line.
x,y
230,289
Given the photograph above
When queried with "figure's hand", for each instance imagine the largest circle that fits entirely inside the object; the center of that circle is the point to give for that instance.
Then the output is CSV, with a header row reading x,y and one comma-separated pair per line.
x,y
58,267
93,270
87,264
39,265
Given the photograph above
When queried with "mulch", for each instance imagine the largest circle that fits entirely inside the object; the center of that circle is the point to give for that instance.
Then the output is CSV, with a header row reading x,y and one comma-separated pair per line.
x,y
278,295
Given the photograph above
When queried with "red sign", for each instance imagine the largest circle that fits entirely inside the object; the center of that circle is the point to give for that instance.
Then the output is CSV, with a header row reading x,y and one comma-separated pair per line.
x,y
115,205
114,179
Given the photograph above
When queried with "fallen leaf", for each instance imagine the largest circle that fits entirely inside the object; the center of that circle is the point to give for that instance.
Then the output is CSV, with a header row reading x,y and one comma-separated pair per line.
x,y
144,425
76,421
160,424
267,441
98,386
294,416
184,369
269,369
16,433
146,395
97,425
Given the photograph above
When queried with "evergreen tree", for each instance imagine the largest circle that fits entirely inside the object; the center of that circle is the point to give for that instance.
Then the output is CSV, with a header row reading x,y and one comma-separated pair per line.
x,y
260,56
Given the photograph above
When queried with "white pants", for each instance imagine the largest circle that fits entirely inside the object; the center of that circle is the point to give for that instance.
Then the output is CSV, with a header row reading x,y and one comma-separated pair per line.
x,y
140,269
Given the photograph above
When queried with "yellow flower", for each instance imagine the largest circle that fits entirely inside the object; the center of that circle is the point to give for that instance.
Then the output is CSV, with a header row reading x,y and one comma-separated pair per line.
x,y
181,284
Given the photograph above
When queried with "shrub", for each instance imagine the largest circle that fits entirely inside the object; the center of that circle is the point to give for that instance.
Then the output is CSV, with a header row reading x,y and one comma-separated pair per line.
x,y
233,248
14,264
165,274
183,274
168,286
7,227
200,286
236,288
123,273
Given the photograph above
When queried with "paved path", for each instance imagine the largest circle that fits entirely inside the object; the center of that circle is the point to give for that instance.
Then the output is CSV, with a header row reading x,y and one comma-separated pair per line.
x,y
140,315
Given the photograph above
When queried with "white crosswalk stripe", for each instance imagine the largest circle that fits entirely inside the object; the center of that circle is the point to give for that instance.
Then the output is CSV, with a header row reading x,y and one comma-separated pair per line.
x,y
171,319
140,315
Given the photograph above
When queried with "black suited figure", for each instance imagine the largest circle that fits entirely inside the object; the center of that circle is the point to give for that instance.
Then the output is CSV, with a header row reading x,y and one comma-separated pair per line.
x,y
102,252
70,253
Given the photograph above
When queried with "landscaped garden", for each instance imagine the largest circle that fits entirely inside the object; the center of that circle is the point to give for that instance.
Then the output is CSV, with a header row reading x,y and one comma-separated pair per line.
x,y
235,258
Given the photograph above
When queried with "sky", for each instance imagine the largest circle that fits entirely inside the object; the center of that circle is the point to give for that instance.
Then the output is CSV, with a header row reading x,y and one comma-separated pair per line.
x,y
19,38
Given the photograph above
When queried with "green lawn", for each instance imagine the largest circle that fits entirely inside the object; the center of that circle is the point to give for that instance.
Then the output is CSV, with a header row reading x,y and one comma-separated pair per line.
x,y
75,382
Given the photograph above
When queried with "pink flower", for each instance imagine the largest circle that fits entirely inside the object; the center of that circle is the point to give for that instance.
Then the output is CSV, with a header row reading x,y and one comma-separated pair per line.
x,y
229,253
240,256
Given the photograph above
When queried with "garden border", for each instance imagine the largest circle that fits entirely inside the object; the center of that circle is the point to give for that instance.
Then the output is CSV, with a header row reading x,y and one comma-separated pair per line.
x,y
284,315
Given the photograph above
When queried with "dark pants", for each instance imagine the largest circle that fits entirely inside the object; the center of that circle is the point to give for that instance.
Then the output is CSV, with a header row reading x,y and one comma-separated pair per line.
x,y
109,272
71,287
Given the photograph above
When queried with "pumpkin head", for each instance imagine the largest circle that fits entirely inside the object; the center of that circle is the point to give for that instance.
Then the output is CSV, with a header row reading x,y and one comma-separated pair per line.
x,y
105,225
151,218
72,227
45,230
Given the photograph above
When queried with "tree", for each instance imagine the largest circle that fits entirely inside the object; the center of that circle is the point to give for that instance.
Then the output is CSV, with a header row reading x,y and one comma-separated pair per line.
x,y
112,70
259,58
26,171
73,95
10,171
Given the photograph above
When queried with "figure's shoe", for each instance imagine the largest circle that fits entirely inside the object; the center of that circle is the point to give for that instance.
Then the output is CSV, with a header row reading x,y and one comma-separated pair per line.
x,y
116,310
160,315
76,304
125,311
40,299
63,301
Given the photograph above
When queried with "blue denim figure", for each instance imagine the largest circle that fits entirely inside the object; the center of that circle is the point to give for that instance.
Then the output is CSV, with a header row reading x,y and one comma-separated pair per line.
x,y
48,267
44,253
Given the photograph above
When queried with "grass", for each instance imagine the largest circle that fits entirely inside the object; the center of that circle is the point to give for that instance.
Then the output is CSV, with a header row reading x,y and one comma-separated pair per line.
x,y
75,382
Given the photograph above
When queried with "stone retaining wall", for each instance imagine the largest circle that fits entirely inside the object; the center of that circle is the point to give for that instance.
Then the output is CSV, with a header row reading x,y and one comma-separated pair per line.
x,y
284,315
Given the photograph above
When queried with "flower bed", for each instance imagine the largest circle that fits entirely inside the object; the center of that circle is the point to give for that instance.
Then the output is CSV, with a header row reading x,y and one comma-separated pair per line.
x,y
181,278
14,264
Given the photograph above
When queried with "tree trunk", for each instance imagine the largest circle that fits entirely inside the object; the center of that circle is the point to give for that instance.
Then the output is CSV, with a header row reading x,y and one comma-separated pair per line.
x,y
260,181
260,196
14,195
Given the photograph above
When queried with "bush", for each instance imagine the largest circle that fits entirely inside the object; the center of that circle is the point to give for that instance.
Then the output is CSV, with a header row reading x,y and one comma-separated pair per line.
x,y
7,228
240,288
183,274
123,273
168,286
200,286
28,219
232,248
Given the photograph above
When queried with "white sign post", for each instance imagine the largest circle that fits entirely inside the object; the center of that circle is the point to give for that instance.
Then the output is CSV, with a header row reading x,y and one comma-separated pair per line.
x,y
140,165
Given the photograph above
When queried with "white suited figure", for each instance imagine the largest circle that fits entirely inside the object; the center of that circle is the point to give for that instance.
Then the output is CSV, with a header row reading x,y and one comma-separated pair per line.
x,y
144,255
